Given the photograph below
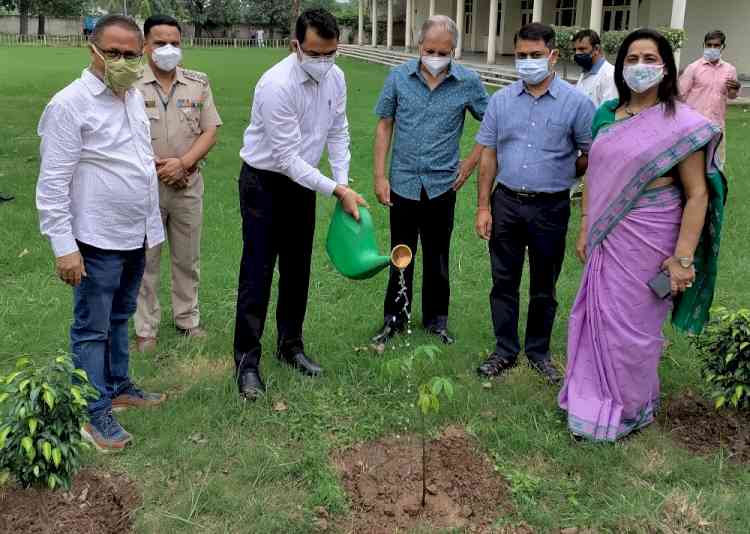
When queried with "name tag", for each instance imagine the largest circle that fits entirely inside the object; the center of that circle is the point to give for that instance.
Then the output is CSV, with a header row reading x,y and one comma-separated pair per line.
x,y
150,103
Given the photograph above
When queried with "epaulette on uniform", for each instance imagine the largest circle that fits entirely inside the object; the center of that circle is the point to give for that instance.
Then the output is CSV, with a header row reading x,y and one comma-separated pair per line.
x,y
196,76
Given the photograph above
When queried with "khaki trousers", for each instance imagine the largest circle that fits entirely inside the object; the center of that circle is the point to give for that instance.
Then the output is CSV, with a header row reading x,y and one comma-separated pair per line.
x,y
182,215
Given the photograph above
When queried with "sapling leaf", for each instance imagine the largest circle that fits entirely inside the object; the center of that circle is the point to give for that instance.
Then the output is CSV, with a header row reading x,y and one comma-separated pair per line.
x,y
437,386
33,423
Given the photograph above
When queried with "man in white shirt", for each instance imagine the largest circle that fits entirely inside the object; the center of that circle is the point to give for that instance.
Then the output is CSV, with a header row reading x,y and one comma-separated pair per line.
x,y
98,204
597,81
299,109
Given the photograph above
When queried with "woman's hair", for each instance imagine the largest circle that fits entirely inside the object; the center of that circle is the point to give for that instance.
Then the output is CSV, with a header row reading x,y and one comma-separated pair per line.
x,y
668,91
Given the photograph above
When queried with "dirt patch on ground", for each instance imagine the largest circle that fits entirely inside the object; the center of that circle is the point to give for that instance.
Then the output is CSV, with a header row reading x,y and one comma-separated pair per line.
x,y
384,482
99,502
694,424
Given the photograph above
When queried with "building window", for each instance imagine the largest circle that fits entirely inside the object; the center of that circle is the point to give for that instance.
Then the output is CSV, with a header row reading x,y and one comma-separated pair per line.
x,y
468,15
616,15
565,13
499,17
527,12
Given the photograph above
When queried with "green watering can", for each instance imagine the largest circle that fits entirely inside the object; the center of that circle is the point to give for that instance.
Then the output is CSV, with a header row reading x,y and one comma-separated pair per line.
x,y
352,248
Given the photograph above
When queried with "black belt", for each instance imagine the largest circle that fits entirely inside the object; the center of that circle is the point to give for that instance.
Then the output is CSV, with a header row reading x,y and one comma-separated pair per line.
x,y
530,195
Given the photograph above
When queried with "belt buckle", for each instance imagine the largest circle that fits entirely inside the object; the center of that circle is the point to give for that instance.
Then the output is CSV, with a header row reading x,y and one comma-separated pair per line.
x,y
524,194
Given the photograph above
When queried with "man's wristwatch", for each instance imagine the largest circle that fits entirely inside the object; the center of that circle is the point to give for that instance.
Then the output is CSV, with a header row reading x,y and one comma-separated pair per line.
x,y
685,261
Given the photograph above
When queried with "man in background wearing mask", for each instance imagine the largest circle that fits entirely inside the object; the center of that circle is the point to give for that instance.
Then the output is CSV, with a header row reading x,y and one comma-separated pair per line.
x,y
597,81
536,134
184,124
425,100
98,203
708,83
298,110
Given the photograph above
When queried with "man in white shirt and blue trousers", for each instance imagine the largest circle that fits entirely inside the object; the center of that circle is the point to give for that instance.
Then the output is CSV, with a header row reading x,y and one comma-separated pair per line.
x,y
98,204
298,110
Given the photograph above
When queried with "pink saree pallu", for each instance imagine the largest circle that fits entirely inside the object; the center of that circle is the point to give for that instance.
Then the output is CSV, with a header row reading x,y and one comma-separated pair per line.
x,y
615,329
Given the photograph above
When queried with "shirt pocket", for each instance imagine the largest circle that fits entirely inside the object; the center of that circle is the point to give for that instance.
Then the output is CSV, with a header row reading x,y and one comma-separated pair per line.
x,y
192,117
555,136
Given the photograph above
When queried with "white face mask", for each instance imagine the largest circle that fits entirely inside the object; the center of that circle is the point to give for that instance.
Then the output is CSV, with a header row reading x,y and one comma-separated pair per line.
x,y
167,57
642,77
316,67
712,54
533,71
435,64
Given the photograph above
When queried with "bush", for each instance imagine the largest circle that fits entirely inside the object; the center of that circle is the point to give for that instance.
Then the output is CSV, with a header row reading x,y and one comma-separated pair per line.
x,y
611,41
564,38
725,349
42,409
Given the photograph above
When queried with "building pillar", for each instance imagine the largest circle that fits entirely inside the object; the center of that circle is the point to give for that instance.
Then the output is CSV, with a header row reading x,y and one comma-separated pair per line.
x,y
536,15
389,30
492,36
432,7
374,20
678,22
407,23
474,23
634,8
361,20
596,16
580,6
460,25
503,23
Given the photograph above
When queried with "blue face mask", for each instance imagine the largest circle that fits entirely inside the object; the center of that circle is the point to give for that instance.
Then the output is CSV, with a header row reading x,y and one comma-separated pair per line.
x,y
533,71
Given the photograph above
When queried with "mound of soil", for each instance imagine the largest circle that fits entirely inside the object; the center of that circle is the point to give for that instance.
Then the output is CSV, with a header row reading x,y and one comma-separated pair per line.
x,y
384,482
694,424
98,502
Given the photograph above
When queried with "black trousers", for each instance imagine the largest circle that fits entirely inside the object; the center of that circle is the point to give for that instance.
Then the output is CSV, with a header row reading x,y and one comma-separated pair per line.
x,y
541,224
278,220
431,222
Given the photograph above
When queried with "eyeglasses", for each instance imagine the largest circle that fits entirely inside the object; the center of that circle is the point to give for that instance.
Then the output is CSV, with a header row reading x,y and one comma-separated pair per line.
x,y
114,55
318,54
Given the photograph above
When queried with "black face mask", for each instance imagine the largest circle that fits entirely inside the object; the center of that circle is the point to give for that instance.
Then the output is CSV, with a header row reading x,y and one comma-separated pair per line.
x,y
585,61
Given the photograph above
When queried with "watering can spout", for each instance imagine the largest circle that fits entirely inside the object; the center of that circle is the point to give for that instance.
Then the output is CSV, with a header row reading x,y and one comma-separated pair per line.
x,y
352,248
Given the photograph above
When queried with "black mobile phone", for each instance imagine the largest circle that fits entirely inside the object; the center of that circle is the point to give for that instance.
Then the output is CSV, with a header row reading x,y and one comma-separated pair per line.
x,y
661,285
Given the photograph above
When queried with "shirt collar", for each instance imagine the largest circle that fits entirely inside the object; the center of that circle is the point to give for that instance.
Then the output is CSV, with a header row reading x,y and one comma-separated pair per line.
x,y
149,76
710,64
553,89
597,66
92,82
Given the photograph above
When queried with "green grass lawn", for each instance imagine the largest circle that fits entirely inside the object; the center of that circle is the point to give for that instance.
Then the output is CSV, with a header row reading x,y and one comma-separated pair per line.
x,y
206,462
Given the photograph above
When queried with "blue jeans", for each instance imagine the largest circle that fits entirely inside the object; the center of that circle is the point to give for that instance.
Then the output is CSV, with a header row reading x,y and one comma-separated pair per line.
x,y
103,303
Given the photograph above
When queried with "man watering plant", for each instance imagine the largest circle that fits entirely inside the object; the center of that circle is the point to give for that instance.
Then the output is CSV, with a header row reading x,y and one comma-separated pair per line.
x,y
98,203
298,111
422,108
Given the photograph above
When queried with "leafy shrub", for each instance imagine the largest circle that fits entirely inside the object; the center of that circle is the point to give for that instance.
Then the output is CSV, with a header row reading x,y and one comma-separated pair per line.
x,y
611,41
564,40
724,347
42,409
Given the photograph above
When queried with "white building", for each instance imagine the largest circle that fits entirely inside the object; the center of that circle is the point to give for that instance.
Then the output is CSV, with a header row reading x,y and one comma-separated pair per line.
x,y
488,26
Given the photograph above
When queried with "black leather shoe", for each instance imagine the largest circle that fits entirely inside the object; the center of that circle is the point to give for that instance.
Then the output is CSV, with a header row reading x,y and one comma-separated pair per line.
x,y
298,360
386,333
547,369
495,365
443,334
249,382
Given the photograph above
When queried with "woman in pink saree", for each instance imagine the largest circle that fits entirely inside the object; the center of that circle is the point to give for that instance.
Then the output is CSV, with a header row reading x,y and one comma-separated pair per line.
x,y
653,202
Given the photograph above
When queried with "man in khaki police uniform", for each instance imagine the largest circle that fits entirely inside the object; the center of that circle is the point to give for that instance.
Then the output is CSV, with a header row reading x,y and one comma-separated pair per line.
x,y
184,124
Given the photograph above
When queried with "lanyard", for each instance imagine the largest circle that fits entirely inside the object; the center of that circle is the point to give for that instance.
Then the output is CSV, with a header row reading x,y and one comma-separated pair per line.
x,y
165,100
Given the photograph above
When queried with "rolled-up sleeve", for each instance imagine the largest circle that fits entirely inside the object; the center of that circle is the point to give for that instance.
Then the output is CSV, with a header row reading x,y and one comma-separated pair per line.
x,y
388,101
282,128
487,134
60,151
582,125
479,99
339,154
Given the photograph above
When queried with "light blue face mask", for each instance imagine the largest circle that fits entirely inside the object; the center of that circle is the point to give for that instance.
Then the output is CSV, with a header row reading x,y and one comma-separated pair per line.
x,y
712,54
533,71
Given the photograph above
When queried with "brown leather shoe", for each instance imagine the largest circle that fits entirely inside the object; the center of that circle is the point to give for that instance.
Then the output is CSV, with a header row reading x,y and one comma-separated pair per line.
x,y
197,332
145,344
135,397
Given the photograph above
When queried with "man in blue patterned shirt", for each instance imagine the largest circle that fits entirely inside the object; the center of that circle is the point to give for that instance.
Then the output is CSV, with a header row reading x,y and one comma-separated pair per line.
x,y
425,101
533,133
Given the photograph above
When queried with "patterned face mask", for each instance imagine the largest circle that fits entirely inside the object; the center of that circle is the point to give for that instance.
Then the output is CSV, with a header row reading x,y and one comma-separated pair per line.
x,y
642,77
120,74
